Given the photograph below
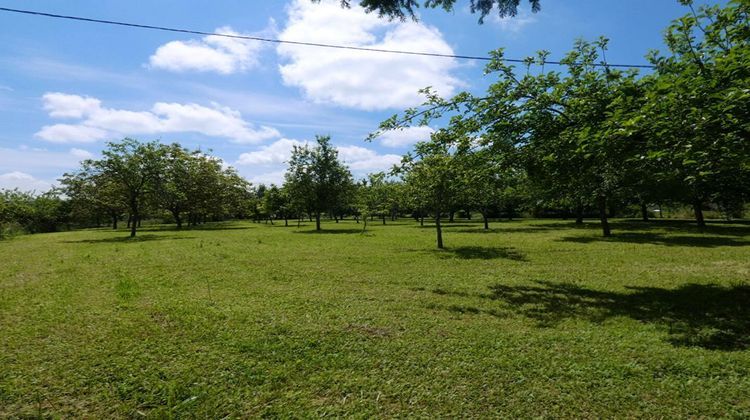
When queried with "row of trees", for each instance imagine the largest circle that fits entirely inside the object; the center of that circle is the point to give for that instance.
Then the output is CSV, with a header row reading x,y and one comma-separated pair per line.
x,y
136,179
595,135
594,138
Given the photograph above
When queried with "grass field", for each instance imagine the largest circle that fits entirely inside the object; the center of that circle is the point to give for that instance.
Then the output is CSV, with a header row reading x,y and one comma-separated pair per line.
x,y
534,318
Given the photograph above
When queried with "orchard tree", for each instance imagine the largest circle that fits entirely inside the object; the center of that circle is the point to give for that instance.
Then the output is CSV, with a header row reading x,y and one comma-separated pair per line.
x,y
92,193
317,177
431,172
401,9
698,105
135,168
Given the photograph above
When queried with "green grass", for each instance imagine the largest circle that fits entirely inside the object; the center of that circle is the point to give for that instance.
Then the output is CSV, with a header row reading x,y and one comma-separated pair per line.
x,y
534,318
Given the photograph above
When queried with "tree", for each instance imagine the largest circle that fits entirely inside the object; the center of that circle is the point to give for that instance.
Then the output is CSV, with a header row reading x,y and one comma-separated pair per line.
x,y
699,104
135,167
401,9
317,177
431,171
92,193
175,180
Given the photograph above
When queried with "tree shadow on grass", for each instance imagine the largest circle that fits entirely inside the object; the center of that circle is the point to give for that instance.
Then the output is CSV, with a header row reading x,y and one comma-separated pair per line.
x,y
713,227
207,226
655,238
707,316
518,229
481,253
445,225
329,232
128,239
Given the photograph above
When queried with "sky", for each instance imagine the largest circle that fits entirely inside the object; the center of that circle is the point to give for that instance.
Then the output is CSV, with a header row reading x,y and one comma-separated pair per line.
x,y
66,88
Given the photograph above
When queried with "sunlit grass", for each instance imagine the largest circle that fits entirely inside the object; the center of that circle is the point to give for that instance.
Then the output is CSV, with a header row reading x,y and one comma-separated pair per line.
x,y
534,318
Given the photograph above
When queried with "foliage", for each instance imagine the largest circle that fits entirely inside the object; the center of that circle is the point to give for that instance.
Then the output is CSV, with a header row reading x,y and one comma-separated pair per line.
x,y
318,178
401,9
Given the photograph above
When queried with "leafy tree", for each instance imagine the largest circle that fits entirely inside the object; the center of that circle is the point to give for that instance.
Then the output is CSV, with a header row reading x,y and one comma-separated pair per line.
x,y
401,9
317,177
277,204
92,193
431,171
26,212
698,105
135,168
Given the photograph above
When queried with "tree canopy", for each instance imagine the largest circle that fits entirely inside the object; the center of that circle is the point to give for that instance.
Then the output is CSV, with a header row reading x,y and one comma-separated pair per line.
x,y
402,9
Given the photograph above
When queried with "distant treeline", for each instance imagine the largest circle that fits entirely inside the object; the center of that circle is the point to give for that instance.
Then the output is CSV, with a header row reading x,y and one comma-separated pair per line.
x,y
593,140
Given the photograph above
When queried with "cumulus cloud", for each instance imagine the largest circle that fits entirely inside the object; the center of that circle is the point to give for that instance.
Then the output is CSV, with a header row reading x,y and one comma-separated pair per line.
x,y
362,160
98,122
64,133
267,164
23,182
274,153
210,54
405,137
273,177
62,105
360,79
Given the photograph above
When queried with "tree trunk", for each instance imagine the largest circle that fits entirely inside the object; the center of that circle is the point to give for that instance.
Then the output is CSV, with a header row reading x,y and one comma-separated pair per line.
x,y
317,221
439,230
133,225
644,212
139,221
384,219
661,212
286,221
114,222
130,220
698,209
177,218
579,214
602,203
421,220
450,216
486,222
356,219
364,226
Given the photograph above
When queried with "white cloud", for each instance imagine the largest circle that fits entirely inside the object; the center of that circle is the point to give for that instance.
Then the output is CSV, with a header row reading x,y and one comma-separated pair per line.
x,y
23,182
98,122
64,133
361,160
81,153
360,79
267,165
63,105
274,153
268,178
405,137
210,54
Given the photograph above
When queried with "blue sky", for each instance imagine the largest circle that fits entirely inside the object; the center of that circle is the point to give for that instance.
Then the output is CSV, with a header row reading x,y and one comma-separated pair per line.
x,y
68,87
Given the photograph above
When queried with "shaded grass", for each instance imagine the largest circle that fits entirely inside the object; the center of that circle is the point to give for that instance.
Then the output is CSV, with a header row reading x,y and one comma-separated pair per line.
x,y
244,320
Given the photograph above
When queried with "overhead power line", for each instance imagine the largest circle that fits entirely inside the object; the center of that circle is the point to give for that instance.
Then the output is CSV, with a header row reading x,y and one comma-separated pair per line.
x,y
283,41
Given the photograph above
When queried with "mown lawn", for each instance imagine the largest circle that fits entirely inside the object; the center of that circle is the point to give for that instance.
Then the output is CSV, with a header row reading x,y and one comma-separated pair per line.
x,y
534,318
